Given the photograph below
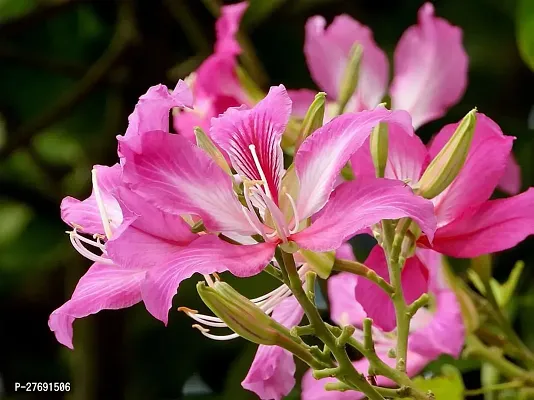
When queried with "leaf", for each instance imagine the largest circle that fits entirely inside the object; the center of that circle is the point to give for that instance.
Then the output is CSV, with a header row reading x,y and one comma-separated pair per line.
x,y
14,217
507,289
525,31
448,386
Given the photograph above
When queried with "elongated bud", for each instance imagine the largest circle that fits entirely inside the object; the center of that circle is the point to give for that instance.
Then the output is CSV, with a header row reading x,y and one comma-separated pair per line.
x,y
445,167
205,143
240,314
313,120
349,82
252,90
379,148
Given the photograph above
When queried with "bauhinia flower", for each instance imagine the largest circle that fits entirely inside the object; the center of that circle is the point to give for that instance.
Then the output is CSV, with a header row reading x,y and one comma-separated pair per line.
x,y
171,173
434,331
469,224
215,84
430,69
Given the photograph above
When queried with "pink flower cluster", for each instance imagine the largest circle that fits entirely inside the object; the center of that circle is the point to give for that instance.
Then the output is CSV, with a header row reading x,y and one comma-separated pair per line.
x,y
137,224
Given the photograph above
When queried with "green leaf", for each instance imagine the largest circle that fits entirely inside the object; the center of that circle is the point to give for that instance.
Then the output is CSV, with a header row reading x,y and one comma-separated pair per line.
x,y
525,31
14,217
448,386
507,289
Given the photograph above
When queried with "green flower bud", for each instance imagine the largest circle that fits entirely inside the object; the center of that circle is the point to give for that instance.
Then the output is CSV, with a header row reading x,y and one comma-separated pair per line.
x,y
445,167
313,119
379,148
205,143
350,77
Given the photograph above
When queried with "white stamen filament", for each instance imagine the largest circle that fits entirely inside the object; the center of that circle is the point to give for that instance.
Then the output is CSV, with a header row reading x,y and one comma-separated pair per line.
x,y
260,170
77,244
295,214
95,243
101,206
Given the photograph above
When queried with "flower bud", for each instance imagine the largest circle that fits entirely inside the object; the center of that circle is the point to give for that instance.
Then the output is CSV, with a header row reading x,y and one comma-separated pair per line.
x,y
313,119
350,77
379,148
205,143
445,167
240,314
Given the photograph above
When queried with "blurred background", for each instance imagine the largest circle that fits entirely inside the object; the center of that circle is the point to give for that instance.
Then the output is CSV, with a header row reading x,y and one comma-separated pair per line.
x,y
71,71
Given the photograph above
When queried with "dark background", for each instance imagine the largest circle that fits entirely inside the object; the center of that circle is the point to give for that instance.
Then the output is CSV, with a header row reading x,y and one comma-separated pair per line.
x,y
71,72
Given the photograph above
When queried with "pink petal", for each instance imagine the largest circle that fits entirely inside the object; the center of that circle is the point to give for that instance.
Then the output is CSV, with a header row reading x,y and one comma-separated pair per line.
x,y
481,172
345,252
227,26
496,225
359,204
205,255
321,157
510,182
445,334
430,68
271,375
376,302
407,155
327,53
262,127
301,99
152,111
344,309
179,178
103,287
84,215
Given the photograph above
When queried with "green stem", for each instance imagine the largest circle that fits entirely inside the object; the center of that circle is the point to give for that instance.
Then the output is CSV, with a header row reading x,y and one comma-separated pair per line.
x,y
505,325
345,371
362,270
476,349
494,388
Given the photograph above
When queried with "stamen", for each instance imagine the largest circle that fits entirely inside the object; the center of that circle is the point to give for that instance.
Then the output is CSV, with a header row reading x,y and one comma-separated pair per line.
x,y
278,217
208,280
205,331
256,224
77,244
100,205
260,170
86,240
295,214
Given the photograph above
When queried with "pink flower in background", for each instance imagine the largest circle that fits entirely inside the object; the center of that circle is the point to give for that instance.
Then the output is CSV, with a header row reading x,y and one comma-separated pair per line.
x,y
179,178
215,84
433,332
430,69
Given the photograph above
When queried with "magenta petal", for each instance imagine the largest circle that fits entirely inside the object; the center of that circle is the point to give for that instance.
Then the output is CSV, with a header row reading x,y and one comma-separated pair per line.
x,y
102,287
205,255
430,68
344,309
227,26
321,157
496,225
445,334
359,204
376,302
84,215
510,182
262,127
407,156
179,178
327,51
271,375
482,171
152,111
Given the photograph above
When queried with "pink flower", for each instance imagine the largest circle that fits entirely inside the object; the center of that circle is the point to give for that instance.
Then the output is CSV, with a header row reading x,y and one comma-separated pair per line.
x,y
215,83
430,71
469,224
431,334
177,177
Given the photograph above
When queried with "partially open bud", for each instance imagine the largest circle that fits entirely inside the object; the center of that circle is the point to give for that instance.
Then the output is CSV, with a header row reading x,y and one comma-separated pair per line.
x,y
350,77
445,167
379,148
205,143
313,119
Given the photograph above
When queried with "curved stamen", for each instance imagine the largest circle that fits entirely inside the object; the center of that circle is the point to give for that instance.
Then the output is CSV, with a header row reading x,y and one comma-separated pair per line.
x,y
205,331
77,244
100,204
278,217
254,221
295,214
95,243
260,170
